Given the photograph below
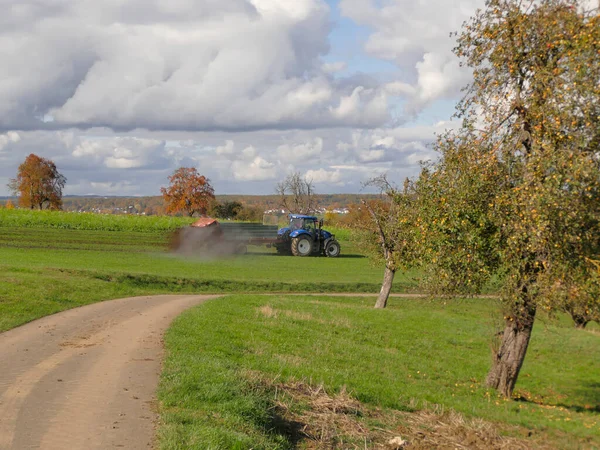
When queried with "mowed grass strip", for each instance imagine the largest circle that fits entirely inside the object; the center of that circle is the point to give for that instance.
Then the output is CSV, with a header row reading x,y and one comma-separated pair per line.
x,y
413,354
56,238
44,270
111,244
122,252
251,267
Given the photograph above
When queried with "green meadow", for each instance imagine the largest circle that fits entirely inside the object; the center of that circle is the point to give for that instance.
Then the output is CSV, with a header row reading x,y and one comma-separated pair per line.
x,y
284,371
94,257
233,362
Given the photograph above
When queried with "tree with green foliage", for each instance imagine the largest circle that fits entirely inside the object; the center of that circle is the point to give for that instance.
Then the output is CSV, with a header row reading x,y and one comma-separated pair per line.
x,y
516,191
38,184
226,210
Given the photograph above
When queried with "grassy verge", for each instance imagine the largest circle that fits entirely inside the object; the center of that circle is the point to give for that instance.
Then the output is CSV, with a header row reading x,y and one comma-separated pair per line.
x,y
233,362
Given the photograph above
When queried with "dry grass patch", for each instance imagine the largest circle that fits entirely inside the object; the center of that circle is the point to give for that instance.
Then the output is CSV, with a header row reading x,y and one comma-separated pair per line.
x,y
269,312
290,359
272,313
314,419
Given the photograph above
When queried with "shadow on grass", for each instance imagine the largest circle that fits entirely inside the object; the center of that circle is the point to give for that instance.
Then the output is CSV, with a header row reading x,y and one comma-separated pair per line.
x,y
291,429
589,391
178,284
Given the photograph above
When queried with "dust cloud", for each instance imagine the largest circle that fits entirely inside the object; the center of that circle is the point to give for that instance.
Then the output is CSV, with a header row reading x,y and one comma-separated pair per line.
x,y
206,242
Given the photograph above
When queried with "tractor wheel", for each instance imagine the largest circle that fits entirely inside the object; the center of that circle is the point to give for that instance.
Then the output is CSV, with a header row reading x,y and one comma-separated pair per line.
x,y
332,249
301,246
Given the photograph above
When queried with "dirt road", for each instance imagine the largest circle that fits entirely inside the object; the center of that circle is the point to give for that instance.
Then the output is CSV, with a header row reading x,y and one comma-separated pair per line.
x,y
86,378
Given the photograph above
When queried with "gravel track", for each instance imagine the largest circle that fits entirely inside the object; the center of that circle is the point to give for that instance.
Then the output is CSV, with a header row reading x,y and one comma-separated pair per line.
x,y
86,378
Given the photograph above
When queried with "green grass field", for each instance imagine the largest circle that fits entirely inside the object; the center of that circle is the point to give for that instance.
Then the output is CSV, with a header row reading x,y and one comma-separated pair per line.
x,y
218,388
31,218
242,371
82,262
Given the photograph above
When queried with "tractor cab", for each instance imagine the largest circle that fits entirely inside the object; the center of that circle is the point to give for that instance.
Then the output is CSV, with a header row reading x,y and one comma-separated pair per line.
x,y
308,223
305,236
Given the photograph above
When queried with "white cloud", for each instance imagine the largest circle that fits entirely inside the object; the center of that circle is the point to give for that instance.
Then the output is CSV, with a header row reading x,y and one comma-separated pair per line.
x,y
236,88
175,65
302,152
10,137
391,149
324,176
109,187
226,149
120,152
415,36
400,88
371,155
439,75
417,158
359,104
334,67
258,169
338,159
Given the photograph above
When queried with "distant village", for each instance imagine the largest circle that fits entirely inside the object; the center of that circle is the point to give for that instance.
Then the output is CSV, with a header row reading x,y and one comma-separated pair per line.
x,y
254,206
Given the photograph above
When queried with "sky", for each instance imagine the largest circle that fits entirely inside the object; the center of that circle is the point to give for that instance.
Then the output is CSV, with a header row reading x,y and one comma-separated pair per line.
x,y
121,93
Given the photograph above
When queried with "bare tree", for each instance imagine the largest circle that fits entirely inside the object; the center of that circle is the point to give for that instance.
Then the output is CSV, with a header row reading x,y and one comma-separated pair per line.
x,y
386,228
296,194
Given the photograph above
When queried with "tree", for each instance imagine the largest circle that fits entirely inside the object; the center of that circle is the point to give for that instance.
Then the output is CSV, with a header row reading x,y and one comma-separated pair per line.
x,y
296,194
226,210
387,231
188,191
516,191
577,292
38,184
250,214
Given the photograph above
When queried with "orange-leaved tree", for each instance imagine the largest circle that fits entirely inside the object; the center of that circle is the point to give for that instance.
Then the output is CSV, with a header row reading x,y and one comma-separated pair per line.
x,y
38,184
188,192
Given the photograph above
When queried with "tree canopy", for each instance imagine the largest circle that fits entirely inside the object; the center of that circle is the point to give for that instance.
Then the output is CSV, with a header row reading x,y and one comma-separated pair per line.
x,y
516,190
38,184
226,210
188,192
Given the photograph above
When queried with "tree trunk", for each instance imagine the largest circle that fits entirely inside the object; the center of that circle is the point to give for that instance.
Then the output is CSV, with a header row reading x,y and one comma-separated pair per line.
x,y
511,354
386,287
580,321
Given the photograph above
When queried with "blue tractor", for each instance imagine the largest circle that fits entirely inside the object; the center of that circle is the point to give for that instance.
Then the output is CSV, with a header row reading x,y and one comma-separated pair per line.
x,y
305,236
